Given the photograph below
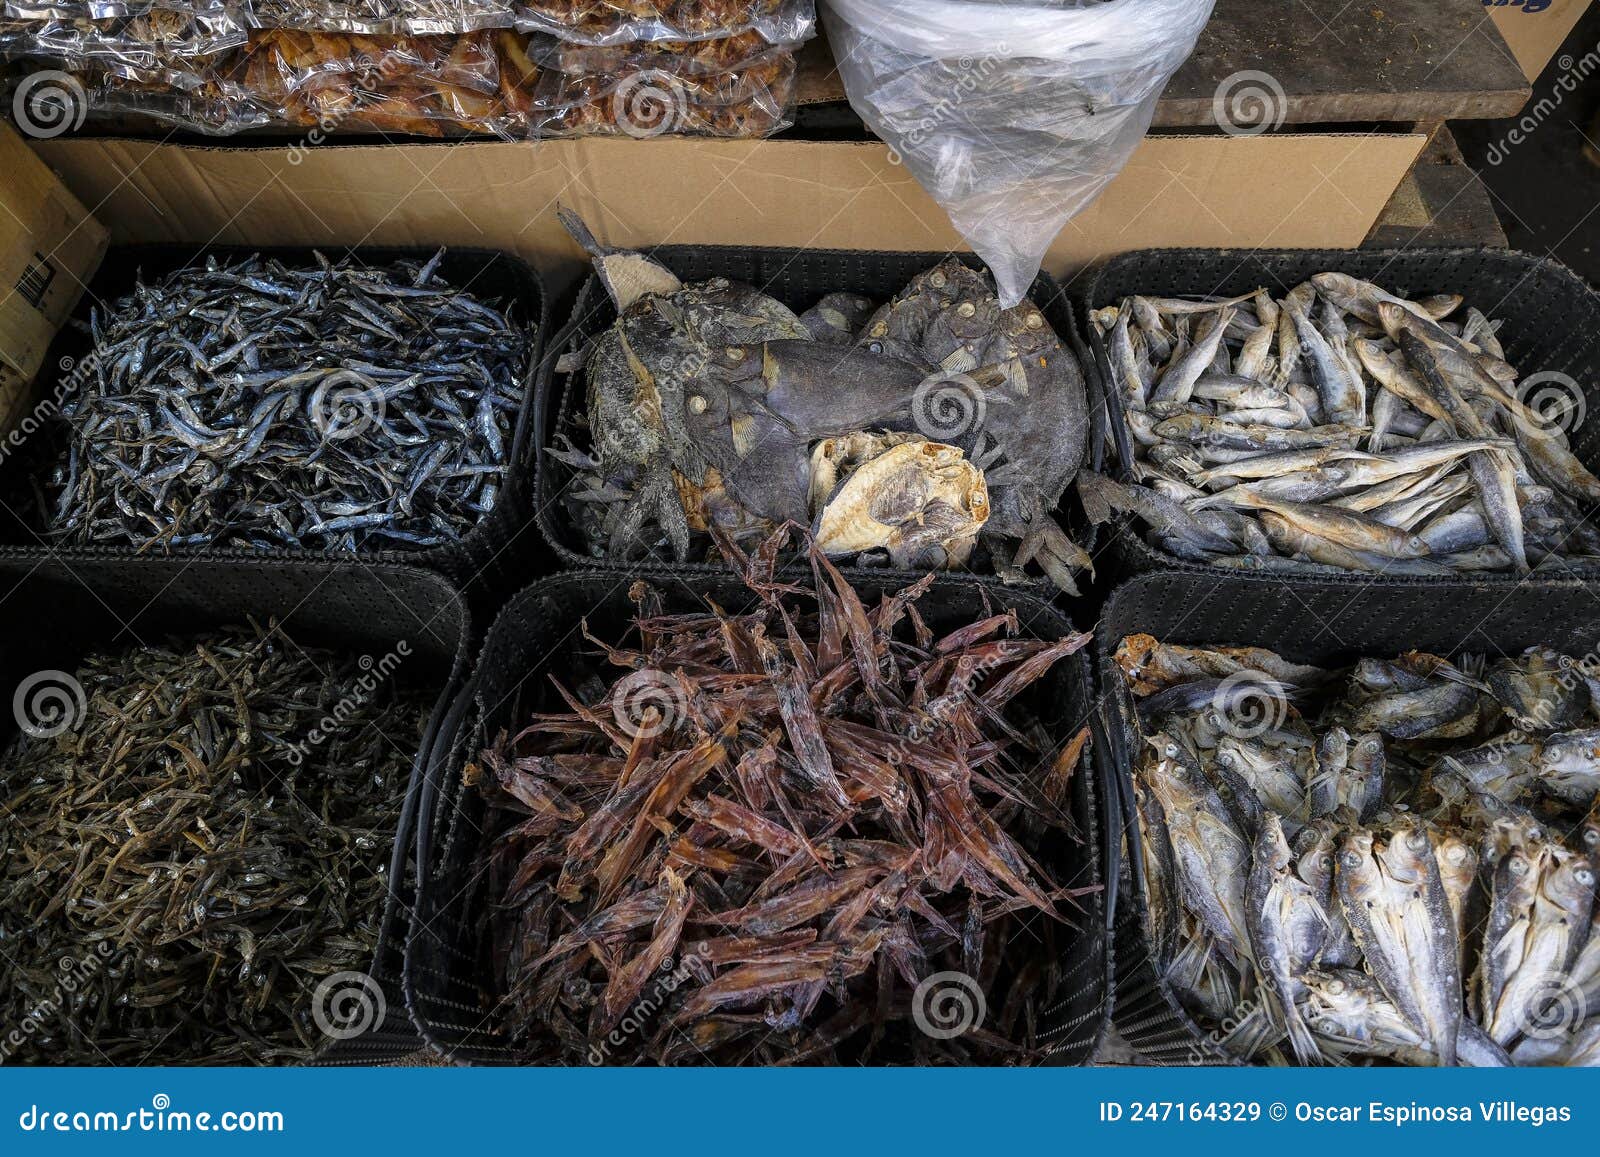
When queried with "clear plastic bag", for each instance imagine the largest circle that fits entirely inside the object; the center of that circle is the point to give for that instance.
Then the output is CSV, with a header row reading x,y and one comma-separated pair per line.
x,y
479,82
382,17
1013,114
640,92
205,102
151,40
604,22
680,57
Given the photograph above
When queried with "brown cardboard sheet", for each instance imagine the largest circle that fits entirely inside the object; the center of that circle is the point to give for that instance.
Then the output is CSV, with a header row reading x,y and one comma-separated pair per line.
x,y
1282,189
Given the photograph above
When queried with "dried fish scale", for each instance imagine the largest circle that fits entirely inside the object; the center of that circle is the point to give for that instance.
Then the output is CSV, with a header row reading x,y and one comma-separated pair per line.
x,y
755,844
195,855
256,405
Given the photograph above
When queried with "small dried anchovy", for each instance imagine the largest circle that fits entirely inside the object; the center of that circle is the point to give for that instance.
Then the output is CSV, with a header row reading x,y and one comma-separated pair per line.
x,y
262,406
181,869
758,844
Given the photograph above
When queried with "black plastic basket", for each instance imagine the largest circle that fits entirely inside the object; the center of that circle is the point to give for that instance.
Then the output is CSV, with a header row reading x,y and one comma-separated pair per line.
x,y
535,637
798,278
492,559
1311,620
57,613
1552,325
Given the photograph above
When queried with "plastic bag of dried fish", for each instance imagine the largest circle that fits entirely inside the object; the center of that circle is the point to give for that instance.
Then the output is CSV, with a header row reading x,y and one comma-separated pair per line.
x,y
1340,426
605,22
479,82
799,871
713,409
196,855
1394,861
1012,114
381,17
261,405
154,40
204,102
746,101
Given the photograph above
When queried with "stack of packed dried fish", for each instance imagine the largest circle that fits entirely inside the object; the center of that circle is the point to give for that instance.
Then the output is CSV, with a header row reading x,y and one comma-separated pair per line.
x,y
188,859
1393,861
435,69
776,827
630,21
261,405
422,85
936,431
741,86
1341,426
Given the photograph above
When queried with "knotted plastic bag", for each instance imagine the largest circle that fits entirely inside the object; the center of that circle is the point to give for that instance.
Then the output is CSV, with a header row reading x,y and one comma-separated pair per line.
x,y
1013,114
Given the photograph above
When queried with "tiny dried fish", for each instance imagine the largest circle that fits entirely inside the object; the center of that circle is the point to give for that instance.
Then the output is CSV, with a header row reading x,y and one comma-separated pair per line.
x,y
199,852
257,405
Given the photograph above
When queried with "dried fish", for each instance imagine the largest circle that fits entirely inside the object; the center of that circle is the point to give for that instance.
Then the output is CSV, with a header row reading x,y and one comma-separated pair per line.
x,y
253,404
784,820
206,846
714,409
1403,894
1354,411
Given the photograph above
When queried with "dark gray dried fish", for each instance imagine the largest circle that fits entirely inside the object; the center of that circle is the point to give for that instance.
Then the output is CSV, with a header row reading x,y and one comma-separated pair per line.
x,y
258,405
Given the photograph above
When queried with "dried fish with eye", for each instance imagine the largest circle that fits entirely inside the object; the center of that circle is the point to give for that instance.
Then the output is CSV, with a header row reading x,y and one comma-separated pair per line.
x,y
749,834
1408,894
261,405
205,848
713,404
1339,426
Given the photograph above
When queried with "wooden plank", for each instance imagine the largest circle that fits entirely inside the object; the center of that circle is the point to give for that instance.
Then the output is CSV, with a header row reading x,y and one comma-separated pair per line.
x,y
1441,202
1372,60
1391,60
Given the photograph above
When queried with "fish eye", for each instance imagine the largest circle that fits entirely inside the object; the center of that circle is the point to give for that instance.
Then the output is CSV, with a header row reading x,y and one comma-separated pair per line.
x,y
1584,876
1591,836
1518,866
1350,859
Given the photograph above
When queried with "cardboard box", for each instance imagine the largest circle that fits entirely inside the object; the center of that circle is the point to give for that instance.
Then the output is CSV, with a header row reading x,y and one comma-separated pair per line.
x,y
1280,189
1535,28
49,248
